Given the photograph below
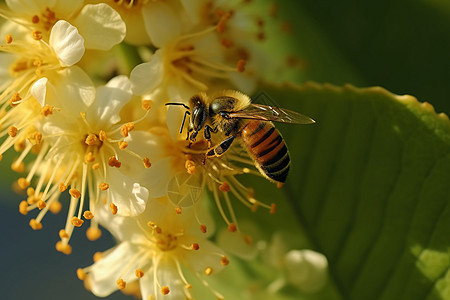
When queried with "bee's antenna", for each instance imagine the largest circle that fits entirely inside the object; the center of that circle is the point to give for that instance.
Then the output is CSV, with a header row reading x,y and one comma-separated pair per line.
x,y
178,103
186,113
184,118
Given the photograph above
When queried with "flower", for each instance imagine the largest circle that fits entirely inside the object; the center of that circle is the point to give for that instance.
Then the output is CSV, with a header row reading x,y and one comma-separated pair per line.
x,y
87,148
153,249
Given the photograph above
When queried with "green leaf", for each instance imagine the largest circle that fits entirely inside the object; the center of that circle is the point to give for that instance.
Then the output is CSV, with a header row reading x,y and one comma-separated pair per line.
x,y
369,183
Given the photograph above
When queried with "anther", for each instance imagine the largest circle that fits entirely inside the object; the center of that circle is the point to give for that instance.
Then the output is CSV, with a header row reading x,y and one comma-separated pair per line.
x,y
241,65
8,38
203,228
113,208
178,210
146,162
63,234
126,128
139,273
12,131
190,166
273,208
97,256
248,239
55,207
91,140
88,215
147,104
41,204
224,261
35,225
195,246
93,233
165,290
232,227
81,274
103,186
18,167
15,99
122,145
62,187
208,271
35,138
121,284
23,207
75,193
47,110
23,183
280,185
222,22
35,19
77,222
89,157
224,187
95,166
113,162
37,35
63,248
227,43
102,135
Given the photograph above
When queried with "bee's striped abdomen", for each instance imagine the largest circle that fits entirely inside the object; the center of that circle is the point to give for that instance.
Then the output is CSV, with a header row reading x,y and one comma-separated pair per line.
x,y
267,148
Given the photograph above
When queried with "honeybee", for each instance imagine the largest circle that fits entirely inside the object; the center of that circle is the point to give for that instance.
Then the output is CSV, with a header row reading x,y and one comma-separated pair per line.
x,y
232,113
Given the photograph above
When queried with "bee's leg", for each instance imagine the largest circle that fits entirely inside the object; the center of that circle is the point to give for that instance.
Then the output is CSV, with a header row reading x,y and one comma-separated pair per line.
x,y
220,149
192,138
207,134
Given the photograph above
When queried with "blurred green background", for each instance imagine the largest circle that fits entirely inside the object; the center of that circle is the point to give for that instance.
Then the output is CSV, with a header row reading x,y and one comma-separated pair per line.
x,y
398,44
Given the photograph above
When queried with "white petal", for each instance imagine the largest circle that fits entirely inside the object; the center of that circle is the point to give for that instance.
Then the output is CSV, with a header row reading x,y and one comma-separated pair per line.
x,y
104,273
74,90
157,177
110,99
185,189
128,195
66,8
174,117
161,22
147,76
306,269
39,90
235,243
67,43
101,26
167,275
29,6
193,9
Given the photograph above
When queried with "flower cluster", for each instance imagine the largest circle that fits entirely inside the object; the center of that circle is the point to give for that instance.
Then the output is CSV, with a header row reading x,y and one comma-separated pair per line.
x,y
109,141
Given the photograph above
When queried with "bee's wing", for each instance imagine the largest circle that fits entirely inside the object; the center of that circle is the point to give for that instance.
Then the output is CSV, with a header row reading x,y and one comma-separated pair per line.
x,y
271,113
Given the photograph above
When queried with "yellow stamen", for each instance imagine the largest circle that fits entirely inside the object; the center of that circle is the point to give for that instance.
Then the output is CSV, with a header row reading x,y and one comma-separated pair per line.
x,y
35,225
203,228
37,35
23,183
139,273
8,38
102,135
62,187
113,208
81,274
208,271
147,104
224,187
88,215
47,110
55,207
113,162
63,248
122,145
41,204
126,128
232,227
121,284
165,290
77,222
224,261
93,233
35,19
89,157
75,193
178,210
12,131
23,207
147,163
63,234
103,186
97,256
195,246
241,65
273,208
